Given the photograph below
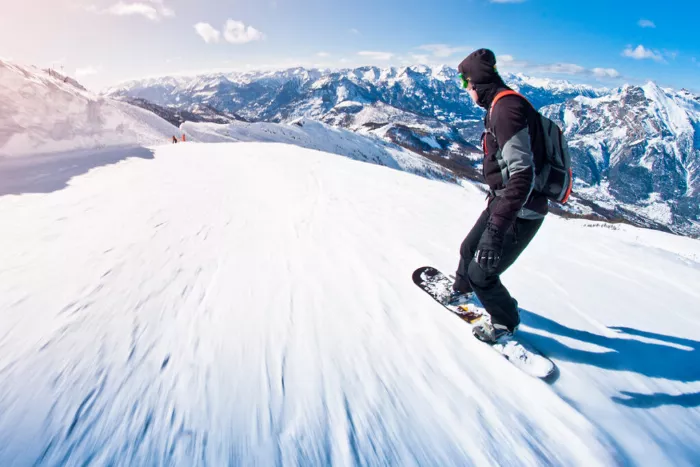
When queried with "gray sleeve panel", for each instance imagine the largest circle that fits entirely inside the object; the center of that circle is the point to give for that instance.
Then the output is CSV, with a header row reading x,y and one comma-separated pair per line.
x,y
518,157
517,153
519,162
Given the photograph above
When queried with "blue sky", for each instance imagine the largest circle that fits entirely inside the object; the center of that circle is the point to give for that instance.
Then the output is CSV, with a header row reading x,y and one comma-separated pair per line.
x,y
107,41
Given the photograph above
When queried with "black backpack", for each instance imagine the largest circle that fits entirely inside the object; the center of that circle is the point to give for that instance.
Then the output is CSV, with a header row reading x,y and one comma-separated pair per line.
x,y
555,179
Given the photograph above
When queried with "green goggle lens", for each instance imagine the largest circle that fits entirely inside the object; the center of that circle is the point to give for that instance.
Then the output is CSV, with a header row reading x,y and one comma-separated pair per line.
x,y
465,81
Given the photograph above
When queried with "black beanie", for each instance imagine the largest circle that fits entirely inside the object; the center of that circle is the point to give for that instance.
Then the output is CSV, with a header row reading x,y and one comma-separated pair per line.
x,y
480,67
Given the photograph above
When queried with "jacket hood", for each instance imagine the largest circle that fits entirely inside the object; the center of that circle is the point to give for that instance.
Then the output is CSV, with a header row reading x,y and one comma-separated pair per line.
x,y
480,68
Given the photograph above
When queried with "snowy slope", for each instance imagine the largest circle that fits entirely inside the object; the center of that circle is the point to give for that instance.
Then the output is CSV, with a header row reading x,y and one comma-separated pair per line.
x,y
42,113
252,304
314,135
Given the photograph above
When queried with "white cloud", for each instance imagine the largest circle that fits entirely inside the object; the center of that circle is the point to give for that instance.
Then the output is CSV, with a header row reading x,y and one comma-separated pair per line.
x,y
559,68
511,63
323,54
672,54
87,71
354,31
209,33
442,50
563,68
605,73
381,56
420,58
642,53
573,69
236,32
129,9
153,10
645,23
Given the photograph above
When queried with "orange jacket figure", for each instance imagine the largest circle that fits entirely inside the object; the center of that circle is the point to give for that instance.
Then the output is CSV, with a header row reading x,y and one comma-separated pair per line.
x,y
183,138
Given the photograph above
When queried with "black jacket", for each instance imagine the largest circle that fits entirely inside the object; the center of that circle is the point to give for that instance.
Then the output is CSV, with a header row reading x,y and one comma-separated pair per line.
x,y
514,128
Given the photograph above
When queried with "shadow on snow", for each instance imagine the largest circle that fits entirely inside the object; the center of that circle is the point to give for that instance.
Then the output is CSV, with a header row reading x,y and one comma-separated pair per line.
x,y
671,358
52,172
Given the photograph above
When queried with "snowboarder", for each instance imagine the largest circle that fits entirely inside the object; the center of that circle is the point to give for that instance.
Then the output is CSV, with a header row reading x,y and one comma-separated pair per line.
x,y
514,212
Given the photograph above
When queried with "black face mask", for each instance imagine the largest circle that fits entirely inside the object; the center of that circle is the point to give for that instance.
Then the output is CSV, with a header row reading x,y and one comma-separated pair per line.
x,y
487,92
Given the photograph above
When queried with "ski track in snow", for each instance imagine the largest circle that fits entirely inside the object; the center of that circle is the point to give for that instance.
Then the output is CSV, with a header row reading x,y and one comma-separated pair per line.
x,y
252,304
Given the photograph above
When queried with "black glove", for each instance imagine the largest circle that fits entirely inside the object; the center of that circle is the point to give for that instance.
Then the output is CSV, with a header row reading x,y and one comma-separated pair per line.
x,y
489,250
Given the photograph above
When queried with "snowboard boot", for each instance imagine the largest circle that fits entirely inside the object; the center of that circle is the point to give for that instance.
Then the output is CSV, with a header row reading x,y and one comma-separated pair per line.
x,y
492,333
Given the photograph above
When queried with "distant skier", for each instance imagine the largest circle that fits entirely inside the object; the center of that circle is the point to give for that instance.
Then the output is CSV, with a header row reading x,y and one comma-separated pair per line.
x,y
174,140
514,212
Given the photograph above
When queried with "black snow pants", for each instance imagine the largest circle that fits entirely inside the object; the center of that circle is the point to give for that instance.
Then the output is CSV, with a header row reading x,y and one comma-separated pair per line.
x,y
488,287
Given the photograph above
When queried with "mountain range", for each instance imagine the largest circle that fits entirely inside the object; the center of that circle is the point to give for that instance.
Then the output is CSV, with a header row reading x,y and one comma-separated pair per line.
x,y
635,149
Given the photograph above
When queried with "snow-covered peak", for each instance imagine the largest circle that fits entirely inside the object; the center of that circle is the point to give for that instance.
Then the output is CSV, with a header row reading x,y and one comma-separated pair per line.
x,y
444,73
665,105
675,110
652,90
422,69
171,81
371,74
38,75
43,111
553,85
637,148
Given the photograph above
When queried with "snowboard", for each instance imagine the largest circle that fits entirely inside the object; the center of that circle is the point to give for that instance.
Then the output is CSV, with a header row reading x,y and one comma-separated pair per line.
x,y
515,349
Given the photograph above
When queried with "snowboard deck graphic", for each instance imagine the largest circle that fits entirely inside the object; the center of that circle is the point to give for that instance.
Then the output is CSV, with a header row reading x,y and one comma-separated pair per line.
x,y
517,351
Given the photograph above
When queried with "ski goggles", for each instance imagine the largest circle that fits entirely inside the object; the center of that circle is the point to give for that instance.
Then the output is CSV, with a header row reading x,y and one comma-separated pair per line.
x,y
465,81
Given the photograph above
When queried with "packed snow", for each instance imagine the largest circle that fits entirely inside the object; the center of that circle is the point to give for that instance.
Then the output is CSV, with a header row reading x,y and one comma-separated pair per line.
x,y
252,304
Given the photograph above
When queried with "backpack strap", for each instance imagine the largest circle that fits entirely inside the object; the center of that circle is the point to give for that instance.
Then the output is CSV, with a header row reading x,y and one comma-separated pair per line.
x,y
499,159
502,94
